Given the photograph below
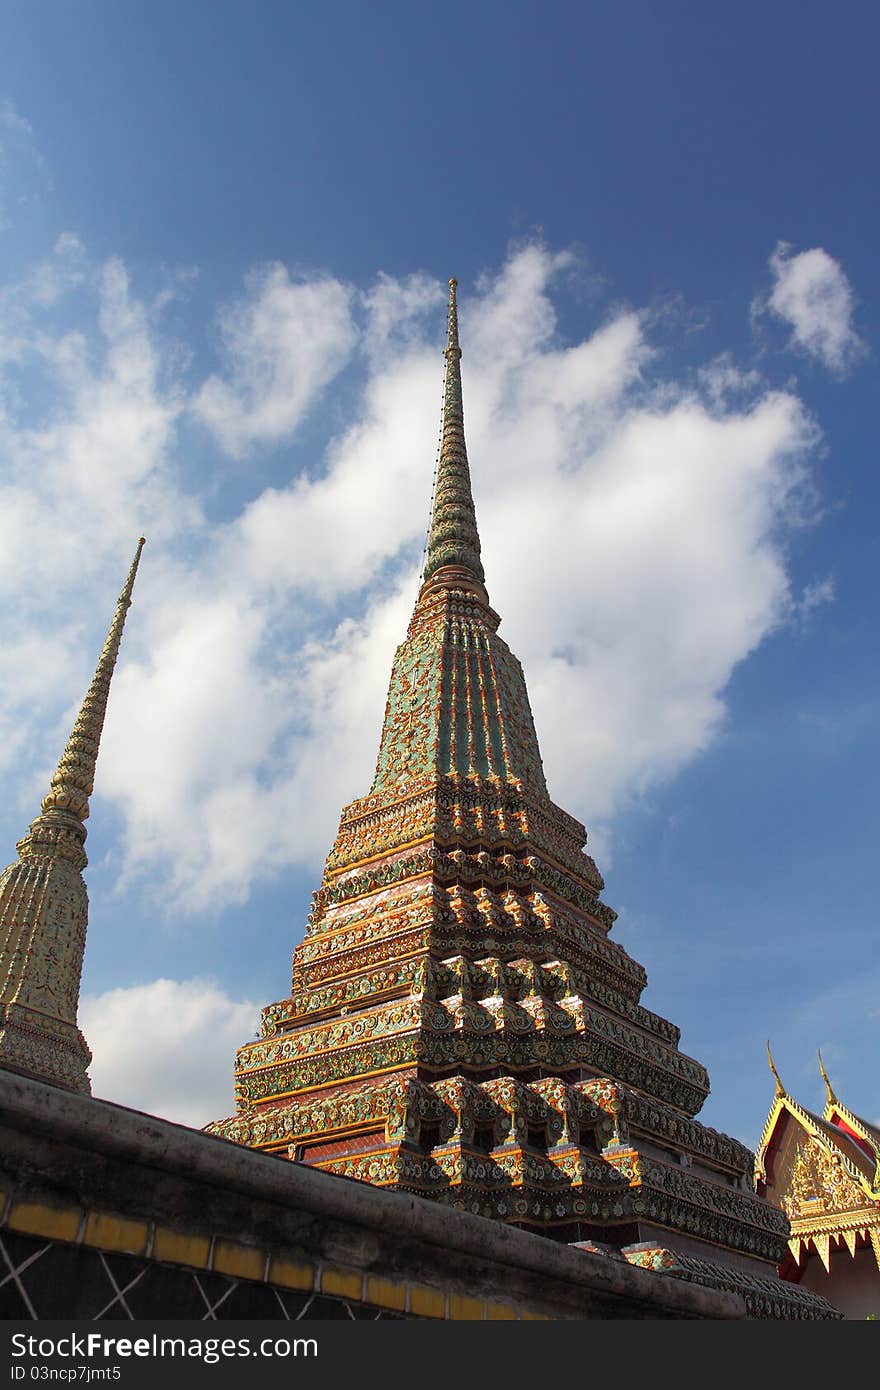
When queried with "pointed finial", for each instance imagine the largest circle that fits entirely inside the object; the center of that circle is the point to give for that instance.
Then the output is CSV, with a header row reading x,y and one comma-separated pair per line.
x,y
780,1089
832,1098
453,540
452,344
74,777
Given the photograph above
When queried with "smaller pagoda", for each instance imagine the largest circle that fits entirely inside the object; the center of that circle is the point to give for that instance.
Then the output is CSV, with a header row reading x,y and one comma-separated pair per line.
x,y
824,1172
44,905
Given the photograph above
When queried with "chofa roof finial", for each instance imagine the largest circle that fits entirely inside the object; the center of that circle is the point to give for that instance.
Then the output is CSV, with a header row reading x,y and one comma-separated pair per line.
x,y
832,1098
780,1089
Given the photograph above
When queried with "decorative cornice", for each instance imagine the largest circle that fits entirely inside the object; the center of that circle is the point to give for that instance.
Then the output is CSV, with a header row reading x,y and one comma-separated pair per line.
x,y
764,1297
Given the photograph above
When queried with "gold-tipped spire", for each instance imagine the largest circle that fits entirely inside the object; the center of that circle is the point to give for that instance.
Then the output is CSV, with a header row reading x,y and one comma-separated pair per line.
x,y
780,1089
44,904
832,1098
453,540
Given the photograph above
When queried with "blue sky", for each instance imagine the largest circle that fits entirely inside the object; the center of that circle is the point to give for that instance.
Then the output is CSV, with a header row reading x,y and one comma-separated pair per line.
x,y
226,232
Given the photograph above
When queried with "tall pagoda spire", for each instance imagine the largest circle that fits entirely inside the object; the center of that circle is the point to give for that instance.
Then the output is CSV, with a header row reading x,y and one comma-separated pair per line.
x,y
74,778
461,1024
43,899
453,541
457,702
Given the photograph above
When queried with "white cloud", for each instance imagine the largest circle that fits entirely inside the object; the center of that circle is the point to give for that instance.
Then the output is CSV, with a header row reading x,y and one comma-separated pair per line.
x,y
813,296
283,342
643,577
815,595
24,176
87,442
329,535
167,1047
633,528
243,748
93,469
723,381
396,309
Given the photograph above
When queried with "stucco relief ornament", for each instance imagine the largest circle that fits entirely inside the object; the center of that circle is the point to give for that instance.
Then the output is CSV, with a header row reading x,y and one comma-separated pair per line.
x,y
818,1181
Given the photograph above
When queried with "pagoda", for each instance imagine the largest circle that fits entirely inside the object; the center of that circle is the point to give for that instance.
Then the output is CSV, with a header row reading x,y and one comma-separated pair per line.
x,y
44,904
824,1172
461,1025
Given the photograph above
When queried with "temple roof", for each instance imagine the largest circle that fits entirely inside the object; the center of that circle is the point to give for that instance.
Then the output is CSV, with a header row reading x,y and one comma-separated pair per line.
x,y
838,1131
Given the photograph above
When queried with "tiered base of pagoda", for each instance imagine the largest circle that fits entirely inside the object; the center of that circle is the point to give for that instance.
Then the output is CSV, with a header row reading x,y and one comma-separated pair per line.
x,y
41,1045
461,1027
592,1159
590,1162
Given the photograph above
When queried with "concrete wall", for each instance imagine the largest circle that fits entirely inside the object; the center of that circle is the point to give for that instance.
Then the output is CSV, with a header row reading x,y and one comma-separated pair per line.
x,y
106,1212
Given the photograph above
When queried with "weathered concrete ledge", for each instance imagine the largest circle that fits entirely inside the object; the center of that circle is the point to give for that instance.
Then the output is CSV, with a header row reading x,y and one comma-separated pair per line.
x,y
112,1182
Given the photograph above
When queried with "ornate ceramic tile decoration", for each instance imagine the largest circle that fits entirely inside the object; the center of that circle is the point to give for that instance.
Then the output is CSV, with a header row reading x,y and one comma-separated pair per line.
x,y
44,905
460,1024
